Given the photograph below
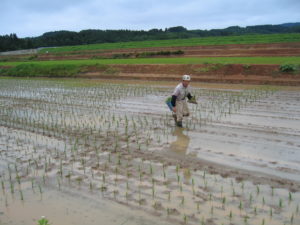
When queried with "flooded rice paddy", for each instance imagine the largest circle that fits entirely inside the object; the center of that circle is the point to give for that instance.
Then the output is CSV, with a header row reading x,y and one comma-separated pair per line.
x,y
108,153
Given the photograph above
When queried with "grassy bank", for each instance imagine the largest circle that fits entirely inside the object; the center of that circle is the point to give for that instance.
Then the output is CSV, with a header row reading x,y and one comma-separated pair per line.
x,y
40,70
245,39
188,60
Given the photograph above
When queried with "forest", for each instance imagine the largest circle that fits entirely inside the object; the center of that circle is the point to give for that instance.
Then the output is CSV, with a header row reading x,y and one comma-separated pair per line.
x,y
11,42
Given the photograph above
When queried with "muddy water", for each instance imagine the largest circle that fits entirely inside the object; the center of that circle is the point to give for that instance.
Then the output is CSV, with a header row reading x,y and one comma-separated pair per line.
x,y
263,137
70,209
103,154
181,144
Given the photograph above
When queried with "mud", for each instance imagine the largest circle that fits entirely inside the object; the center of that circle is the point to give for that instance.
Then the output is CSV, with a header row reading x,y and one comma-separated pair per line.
x,y
103,153
241,50
232,73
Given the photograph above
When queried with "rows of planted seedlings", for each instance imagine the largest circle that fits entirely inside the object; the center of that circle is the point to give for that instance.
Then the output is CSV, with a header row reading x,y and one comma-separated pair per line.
x,y
102,140
213,105
185,196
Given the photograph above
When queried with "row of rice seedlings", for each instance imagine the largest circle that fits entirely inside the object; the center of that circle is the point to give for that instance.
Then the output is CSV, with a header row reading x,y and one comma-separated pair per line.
x,y
205,183
81,141
154,195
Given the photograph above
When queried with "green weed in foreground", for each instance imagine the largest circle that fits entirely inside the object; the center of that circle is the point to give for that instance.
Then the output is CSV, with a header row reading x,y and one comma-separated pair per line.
x,y
43,221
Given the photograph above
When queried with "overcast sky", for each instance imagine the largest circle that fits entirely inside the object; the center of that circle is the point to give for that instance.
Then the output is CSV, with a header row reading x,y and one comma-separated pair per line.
x,y
31,18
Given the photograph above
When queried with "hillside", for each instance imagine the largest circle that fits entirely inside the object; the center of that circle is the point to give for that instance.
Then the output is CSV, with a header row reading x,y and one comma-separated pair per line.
x,y
257,59
67,38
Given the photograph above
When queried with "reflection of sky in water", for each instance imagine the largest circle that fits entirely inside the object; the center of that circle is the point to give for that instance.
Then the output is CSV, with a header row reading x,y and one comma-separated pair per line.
x,y
263,137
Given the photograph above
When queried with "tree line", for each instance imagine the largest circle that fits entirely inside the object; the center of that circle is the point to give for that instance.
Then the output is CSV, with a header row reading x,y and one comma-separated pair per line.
x,y
65,38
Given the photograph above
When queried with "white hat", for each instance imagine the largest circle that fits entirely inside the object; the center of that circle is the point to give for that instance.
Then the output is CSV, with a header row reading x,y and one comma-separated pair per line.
x,y
186,77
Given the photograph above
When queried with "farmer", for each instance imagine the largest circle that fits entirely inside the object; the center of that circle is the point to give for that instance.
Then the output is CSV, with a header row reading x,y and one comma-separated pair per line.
x,y
181,92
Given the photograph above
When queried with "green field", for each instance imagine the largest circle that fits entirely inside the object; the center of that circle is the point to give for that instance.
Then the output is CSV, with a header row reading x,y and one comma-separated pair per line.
x,y
187,60
68,68
245,39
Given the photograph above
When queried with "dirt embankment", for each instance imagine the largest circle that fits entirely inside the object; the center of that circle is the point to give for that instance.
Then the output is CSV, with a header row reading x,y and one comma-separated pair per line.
x,y
217,73
282,49
238,50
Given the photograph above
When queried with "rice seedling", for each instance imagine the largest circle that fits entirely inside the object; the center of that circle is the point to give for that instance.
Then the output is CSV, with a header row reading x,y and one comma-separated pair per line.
x,y
250,198
12,189
21,195
246,219
169,196
230,215
223,202
198,206
153,191
290,197
257,190
241,205
280,204
3,186
182,200
40,189
96,139
202,222
185,219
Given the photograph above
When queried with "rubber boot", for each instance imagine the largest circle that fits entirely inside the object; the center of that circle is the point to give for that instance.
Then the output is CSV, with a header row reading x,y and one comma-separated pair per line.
x,y
175,117
179,123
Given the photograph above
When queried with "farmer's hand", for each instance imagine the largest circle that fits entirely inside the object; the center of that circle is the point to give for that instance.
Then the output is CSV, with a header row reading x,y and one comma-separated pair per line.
x,y
174,109
192,100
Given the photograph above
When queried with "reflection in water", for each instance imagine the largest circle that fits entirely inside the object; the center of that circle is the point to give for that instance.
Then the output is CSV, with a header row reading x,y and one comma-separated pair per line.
x,y
180,147
182,142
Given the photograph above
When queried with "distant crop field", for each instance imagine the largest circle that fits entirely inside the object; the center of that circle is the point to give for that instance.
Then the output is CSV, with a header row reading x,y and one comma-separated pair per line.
x,y
187,60
245,39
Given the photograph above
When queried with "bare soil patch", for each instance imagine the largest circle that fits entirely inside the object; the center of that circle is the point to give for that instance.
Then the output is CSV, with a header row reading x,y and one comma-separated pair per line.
x,y
212,73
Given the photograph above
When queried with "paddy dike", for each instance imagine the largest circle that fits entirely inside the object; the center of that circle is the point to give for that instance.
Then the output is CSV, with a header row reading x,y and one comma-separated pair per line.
x,y
209,73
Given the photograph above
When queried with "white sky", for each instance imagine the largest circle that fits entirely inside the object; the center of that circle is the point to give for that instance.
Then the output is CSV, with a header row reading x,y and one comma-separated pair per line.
x,y
31,18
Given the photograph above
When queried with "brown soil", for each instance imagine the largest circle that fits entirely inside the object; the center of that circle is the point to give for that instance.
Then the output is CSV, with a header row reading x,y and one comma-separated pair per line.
x,y
238,50
282,49
232,73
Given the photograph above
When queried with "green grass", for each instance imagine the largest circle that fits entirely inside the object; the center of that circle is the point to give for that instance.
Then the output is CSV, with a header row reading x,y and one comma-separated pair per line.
x,y
37,70
244,39
188,60
69,68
